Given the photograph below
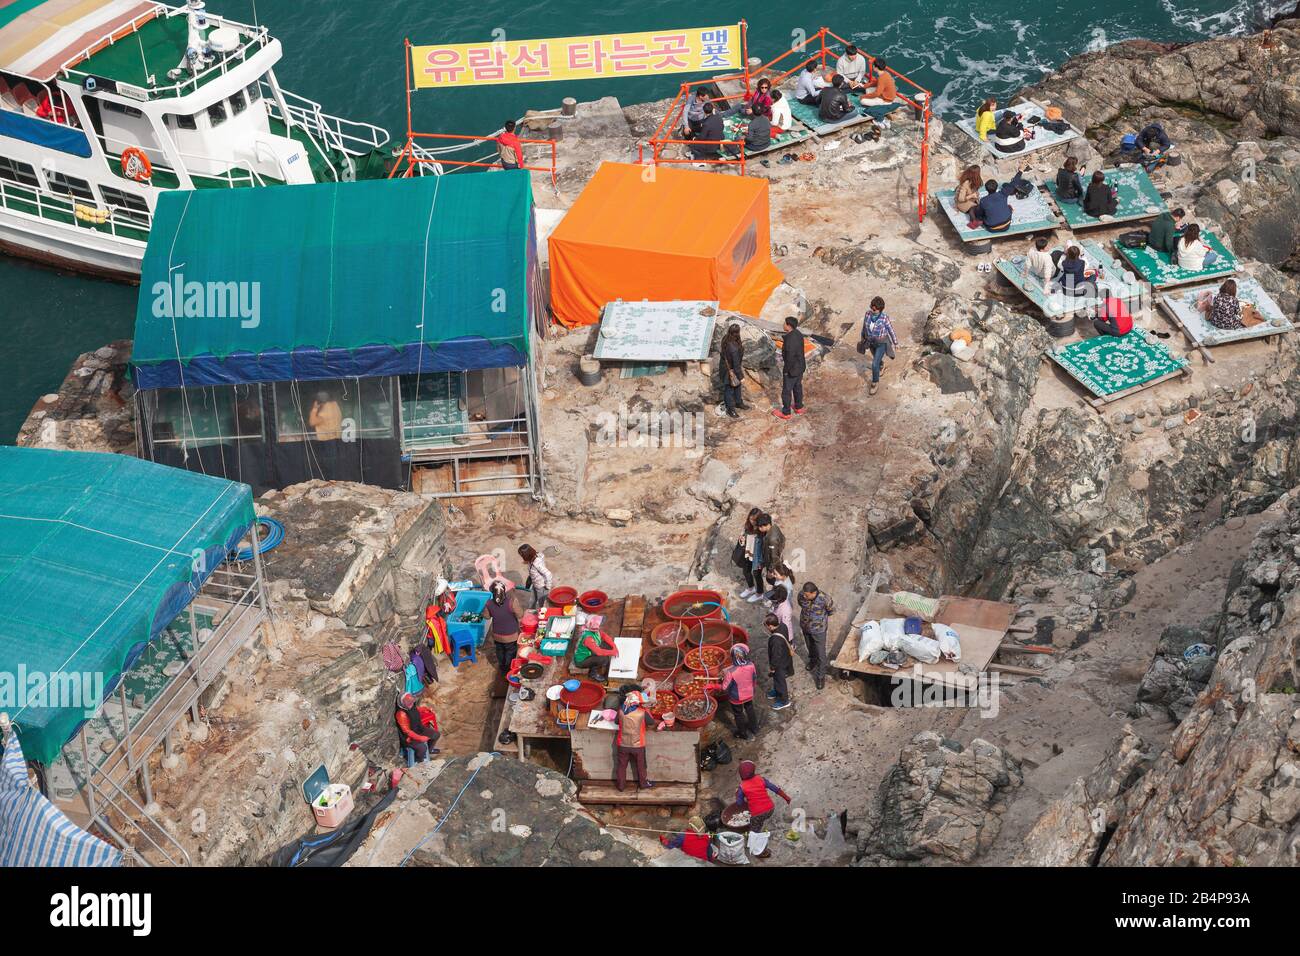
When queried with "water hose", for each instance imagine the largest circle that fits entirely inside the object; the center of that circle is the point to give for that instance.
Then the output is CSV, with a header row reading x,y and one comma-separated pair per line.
x,y
274,535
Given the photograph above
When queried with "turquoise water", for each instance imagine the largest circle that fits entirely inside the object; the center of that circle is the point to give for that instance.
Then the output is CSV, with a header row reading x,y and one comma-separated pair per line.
x,y
348,55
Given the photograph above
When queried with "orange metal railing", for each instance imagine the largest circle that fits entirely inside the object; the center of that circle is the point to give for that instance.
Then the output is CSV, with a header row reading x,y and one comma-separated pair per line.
x,y
408,160
919,101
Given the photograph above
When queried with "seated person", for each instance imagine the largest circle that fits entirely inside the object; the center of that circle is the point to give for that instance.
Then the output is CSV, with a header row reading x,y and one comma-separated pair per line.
x,y
595,652
853,67
986,118
1193,254
967,196
1039,264
883,91
55,108
810,87
1100,199
1009,134
1113,318
1075,274
835,104
1069,187
782,118
692,118
761,98
994,210
758,134
1153,143
712,131
1225,308
1165,232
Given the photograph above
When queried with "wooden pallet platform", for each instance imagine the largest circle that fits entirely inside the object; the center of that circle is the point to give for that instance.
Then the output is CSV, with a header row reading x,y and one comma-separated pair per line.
x,y
603,792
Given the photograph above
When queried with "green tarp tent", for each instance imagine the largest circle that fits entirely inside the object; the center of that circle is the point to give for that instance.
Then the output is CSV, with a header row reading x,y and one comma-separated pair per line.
x,y
98,554
340,280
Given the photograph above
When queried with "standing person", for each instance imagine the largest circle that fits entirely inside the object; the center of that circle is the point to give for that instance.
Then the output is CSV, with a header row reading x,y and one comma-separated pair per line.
x,y
326,417
779,661
505,626
852,65
808,90
738,681
629,742
537,577
815,610
769,550
417,728
986,118
742,555
794,364
778,575
733,371
752,796
509,150
878,338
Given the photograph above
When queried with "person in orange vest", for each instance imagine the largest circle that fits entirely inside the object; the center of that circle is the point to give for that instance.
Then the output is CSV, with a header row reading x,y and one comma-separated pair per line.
x,y
752,795
695,841
629,741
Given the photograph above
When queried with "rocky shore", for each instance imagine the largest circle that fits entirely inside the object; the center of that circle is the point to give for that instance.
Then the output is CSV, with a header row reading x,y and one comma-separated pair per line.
x,y
1165,728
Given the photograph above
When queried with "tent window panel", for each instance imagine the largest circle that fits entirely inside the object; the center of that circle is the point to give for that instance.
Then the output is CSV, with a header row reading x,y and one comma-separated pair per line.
x,y
333,410
745,249
197,417
434,408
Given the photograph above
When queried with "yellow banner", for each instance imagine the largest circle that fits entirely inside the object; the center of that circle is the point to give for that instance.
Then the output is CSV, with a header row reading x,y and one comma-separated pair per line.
x,y
694,50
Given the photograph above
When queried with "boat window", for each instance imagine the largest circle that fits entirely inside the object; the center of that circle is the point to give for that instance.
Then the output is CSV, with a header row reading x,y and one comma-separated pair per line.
x,y
70,185
16,172
130,205
238,104
122,108
254,91
216,114
181,121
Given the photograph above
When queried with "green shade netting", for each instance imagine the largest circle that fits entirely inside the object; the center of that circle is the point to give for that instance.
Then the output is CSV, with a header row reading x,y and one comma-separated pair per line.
x,y
98,553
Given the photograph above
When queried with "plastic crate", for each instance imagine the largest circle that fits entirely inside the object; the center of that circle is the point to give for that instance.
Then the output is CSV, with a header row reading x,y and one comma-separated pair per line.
x,y
469,602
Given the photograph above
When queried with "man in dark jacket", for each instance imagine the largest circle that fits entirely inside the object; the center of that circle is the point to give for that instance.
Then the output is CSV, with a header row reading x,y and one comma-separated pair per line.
x,y
1165,231
795,364
759,135
835,103
780,662
712,130
994,209
733,371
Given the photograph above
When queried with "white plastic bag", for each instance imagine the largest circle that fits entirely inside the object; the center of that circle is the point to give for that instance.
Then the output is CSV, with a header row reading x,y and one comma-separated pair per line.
x,y
949,642
891,629
758,842
872,640
924,649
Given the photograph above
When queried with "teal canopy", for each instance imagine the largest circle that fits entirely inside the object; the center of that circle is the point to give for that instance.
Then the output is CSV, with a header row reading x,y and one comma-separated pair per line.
x,y
341,280
98,554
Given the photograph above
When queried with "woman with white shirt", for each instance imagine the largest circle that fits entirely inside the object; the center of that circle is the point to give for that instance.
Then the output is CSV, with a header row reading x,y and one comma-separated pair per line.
x,y
1193,254
782,118
537,576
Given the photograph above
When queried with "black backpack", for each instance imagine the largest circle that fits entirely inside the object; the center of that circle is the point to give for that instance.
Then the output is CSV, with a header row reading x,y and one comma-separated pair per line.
x,y
1133,240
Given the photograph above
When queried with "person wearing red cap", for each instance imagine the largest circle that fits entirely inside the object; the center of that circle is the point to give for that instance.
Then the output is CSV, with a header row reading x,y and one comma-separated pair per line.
x,y
752,795
1113,317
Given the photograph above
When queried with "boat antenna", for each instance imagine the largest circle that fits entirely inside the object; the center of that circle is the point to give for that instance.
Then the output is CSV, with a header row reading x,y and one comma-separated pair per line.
x,y
257,23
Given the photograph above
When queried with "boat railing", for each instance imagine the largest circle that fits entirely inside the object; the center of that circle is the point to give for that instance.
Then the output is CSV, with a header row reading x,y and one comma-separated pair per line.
x,y
238,174
349,136
255,38
17,197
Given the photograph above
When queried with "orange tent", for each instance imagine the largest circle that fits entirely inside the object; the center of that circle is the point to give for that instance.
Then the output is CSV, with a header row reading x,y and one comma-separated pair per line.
x,y
647,232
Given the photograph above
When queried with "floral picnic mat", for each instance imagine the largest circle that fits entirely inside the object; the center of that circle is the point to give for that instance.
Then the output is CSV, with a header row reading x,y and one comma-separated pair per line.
x,y
1137,194
1156,268
1032,214
1106,365
1053,301
1182,305
1042,138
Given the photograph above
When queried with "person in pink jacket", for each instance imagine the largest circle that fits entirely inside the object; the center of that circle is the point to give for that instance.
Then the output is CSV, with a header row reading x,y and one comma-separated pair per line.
x,y
738,681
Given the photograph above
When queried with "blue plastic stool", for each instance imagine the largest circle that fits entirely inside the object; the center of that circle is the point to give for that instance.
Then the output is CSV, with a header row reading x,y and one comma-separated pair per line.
x,y
408,753
462,641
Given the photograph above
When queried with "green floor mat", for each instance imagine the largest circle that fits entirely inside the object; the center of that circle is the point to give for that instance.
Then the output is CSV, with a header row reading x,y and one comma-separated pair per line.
x,y
735,125
1138,199
811,117
1106,365
1156,268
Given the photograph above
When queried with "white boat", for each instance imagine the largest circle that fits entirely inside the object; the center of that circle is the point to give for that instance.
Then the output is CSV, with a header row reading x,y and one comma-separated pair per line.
x,y
105,103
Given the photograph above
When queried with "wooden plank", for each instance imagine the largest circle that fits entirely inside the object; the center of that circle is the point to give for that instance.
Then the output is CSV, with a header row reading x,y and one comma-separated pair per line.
x,y
634,608
1124,393
1169,312
603,792
671,755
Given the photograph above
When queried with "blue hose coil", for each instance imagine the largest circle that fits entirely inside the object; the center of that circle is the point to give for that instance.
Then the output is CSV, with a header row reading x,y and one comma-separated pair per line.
x,y
272,538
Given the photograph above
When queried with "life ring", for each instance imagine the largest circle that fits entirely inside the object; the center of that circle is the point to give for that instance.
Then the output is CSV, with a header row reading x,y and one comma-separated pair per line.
x,y
136,165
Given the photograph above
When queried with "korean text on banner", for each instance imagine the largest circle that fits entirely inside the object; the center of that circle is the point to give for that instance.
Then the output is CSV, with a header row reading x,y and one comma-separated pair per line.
x,y
695,50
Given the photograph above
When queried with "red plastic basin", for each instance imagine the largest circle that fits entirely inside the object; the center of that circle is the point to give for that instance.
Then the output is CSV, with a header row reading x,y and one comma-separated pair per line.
x,y
586,698
561,597
593,601
693,605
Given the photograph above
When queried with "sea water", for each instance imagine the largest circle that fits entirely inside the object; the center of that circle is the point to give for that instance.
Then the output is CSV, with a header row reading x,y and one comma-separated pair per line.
x,y
349,56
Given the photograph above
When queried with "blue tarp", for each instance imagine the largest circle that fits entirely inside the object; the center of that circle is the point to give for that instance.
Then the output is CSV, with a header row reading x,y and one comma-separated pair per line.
x,y
32,129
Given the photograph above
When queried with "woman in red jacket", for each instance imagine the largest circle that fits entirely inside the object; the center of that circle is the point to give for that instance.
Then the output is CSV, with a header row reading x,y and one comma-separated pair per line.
x,y
738,683
417,729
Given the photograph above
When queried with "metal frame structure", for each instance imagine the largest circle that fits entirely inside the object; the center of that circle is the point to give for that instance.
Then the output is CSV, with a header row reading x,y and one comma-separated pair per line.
x,y
919,101
239,597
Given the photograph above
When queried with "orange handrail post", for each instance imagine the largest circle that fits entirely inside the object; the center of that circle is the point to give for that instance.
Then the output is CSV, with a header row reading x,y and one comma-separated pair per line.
x,y
744,53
